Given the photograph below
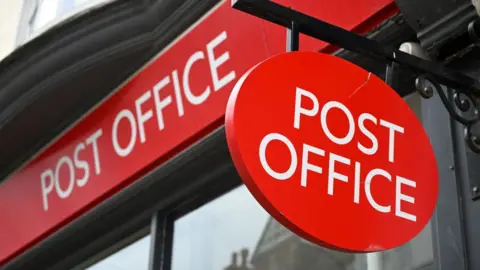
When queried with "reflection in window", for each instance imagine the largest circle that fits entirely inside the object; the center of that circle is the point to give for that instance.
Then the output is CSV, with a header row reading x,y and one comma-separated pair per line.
x,y
134,256
45,13
234,233
48,11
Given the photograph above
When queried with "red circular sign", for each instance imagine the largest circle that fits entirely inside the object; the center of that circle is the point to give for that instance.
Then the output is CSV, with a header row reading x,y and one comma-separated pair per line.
x,y
332,152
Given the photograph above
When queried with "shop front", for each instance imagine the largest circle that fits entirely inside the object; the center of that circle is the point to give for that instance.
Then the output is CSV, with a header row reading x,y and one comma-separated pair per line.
x,y
139,175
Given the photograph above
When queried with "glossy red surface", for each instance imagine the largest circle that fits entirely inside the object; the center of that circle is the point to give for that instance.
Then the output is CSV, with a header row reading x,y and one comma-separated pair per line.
x,y
332,152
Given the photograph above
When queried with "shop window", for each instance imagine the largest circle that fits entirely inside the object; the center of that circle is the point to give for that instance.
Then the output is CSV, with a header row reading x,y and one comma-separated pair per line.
x,y
133,256
234,232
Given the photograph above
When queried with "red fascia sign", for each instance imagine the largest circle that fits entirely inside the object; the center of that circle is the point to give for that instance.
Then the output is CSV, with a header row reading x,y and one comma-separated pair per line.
x,y
171,102
332,152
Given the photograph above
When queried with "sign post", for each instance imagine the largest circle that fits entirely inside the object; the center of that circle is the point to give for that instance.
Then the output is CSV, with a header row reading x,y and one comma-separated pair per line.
x,y
332,152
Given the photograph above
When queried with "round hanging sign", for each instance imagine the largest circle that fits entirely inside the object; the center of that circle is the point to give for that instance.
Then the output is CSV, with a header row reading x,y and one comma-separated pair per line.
x,y
332,152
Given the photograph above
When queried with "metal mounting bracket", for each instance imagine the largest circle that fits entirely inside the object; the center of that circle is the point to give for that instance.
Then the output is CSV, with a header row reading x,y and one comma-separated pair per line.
x,y
459,92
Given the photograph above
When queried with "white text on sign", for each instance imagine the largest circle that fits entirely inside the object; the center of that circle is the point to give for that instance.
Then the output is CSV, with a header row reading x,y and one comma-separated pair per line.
x,y
333,158
50,178
75,170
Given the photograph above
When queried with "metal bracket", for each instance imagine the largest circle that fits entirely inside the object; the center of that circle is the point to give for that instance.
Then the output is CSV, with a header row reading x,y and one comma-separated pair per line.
x,y
458,92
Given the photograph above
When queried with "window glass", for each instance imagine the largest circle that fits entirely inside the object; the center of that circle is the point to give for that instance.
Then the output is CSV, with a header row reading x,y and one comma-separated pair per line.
x,y
134,256
234,232
66,6
49,11
46,12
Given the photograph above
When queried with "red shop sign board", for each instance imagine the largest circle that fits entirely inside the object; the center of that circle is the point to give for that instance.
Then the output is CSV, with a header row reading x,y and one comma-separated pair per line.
x,y
175,99
331,152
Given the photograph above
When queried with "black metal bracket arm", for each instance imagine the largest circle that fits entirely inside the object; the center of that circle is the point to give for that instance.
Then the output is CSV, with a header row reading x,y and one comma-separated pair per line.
x,y
458,92
335,35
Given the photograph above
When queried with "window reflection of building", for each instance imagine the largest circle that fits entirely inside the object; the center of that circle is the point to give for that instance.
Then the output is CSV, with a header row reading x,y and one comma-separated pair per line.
x,y
134,256
227,235
233,263
244,261
202,260
45,13
278,248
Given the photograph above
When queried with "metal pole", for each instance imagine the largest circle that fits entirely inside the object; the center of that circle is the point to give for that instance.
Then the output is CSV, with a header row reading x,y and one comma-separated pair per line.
x,y
161,242
293,37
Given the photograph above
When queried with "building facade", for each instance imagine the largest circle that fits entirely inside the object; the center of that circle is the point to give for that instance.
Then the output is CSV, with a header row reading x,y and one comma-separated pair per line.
x,y
113,151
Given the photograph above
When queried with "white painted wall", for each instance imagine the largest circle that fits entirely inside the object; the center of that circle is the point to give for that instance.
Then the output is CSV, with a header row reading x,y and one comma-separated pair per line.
x,y
9,17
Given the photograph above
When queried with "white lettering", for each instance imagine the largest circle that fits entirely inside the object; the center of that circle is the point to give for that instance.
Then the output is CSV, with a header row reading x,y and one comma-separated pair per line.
x,y
300,110
92,140
161,104
368,189
81,164
332,174
123,152
356,190
142,117
361,124
351,124
81,168
307,166
64,193
46,189
391,141
215,63
193,99
178,95
263,156
399,197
